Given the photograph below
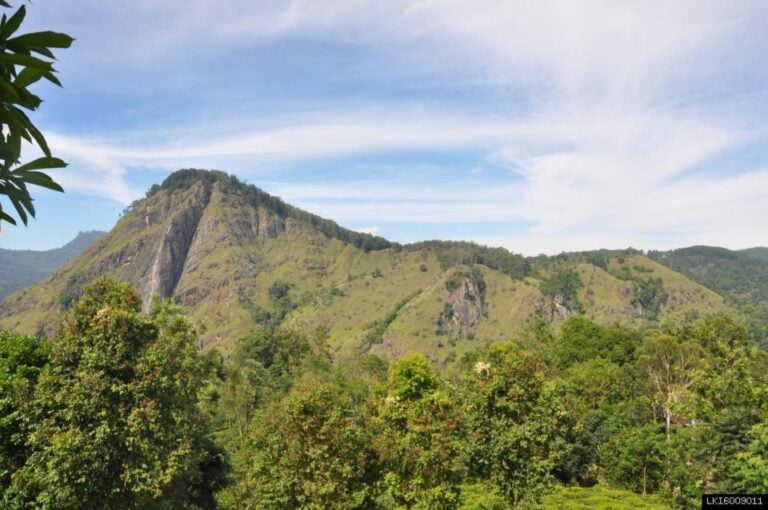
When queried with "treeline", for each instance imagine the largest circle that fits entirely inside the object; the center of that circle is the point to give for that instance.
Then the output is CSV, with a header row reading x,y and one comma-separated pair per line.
x,y
122,411
453,253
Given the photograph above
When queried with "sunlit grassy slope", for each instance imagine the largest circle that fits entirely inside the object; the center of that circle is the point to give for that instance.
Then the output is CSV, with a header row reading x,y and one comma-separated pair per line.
x,y
383,300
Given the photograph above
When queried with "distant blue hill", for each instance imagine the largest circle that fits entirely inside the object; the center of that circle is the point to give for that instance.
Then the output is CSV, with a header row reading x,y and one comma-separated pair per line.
x,y
761,252
21,268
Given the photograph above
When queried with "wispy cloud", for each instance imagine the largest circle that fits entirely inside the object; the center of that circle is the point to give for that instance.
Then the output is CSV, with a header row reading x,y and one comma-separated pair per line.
x,y
605,116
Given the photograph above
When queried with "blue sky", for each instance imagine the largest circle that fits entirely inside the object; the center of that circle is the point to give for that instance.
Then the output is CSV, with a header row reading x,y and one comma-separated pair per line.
x,y
538,126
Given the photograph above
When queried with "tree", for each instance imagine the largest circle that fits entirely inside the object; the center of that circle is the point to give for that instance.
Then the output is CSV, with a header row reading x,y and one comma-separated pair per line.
x,y
650,295
515,423
22,63
420,439
670,365
634,458
21,359
116,423
312,449
581,339
563,285
594,382
750,468
260,369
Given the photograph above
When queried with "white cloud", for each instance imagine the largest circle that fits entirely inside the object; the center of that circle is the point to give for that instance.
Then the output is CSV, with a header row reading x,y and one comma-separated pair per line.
x,y
596,176
615,107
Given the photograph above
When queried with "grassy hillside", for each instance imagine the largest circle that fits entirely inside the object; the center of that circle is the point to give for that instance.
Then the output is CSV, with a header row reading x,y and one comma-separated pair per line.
x,y
239,259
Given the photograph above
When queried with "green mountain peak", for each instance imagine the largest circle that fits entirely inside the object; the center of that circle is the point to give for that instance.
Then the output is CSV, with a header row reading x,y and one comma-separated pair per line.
x,y
237,259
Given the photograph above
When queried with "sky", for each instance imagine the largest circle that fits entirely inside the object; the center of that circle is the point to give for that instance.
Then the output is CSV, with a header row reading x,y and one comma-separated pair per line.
x,y
542,126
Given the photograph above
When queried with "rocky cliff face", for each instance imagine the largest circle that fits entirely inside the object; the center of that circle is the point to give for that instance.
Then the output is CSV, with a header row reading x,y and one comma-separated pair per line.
x,y
553,308
158,246
172,249
464,297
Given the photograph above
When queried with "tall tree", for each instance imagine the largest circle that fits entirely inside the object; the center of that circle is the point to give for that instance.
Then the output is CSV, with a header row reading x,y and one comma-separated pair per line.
x,y
116,420
670,364
21,359
312,449
750,468
634,458
420,440
515,423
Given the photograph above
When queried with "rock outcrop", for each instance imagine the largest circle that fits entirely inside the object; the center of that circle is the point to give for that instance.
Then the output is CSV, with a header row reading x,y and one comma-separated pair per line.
x,y
464,296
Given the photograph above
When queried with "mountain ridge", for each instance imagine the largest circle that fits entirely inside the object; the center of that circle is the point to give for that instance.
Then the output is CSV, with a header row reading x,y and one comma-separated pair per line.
x,y
237,258
21,268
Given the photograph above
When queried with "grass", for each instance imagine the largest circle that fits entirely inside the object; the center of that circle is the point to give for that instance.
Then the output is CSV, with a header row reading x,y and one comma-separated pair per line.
x,y
600,497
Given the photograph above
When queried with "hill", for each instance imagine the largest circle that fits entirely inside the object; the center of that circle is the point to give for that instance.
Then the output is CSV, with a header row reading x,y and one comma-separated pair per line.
x,y
21,268
741,276
760,252
238,258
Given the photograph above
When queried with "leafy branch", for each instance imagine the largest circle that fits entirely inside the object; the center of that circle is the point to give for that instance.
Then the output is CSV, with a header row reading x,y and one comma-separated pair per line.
x,y
24,60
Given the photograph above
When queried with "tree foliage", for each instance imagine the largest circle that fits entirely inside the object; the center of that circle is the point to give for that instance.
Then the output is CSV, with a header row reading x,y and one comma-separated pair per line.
x,y
634,458
123,412
116,421
24,60
21,359
750,468
515,423
312,449
420,444
563,285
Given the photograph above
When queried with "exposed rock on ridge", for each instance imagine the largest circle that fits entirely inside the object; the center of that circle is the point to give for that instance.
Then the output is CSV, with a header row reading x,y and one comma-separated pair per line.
x,y
173,247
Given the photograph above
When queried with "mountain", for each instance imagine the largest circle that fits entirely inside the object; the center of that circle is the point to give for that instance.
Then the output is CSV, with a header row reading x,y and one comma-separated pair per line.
x,y
237,258
741,276
759,252
21,268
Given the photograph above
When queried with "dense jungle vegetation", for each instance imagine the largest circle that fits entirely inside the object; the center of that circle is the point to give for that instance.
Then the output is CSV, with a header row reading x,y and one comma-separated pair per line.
x,y
121,410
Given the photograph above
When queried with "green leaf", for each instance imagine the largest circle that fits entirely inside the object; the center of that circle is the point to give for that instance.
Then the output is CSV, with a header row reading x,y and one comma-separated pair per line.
x,y
43,180
47,39
5,217
14,145
28,76
52,78
42,51
13,23
3,3
17,122
10,94
25,199
27,129
20,210
39,164
28,100
24,60
40,139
